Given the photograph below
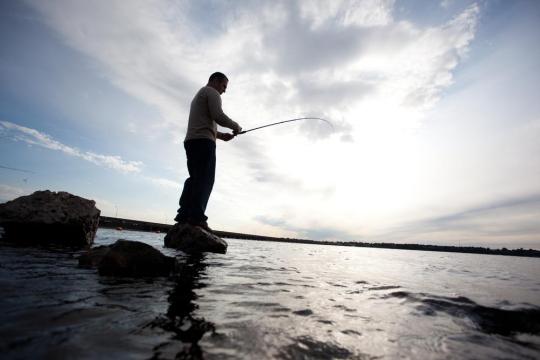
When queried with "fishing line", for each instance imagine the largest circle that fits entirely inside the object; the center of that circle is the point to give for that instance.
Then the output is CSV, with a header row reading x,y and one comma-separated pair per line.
x,y
286,121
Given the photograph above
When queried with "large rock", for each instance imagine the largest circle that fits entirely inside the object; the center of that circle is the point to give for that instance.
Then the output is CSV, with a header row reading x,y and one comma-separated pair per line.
x,y
193,239
50,217
128,258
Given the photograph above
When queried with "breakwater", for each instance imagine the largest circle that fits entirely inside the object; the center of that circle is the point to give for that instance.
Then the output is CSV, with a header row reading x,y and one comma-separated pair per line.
x,y
137,225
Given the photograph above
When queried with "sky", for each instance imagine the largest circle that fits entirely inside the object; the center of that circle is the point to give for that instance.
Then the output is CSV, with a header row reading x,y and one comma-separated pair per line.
x,y
434,106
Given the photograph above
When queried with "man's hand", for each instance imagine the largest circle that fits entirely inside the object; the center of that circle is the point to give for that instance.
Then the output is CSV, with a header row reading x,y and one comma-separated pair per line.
x,y
226,136
237,130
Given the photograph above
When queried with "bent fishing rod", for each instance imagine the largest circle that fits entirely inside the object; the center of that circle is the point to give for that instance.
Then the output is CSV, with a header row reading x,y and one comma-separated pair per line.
x,y
286,121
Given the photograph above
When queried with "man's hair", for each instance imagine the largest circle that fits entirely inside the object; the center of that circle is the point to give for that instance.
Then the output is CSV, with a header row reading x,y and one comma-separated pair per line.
x,y
217,76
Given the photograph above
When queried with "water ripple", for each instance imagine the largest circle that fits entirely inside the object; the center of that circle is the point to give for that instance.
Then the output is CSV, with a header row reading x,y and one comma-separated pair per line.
x,y
270,300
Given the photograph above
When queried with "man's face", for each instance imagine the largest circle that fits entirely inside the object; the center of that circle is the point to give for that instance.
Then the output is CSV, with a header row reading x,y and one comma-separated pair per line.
x,y
222,86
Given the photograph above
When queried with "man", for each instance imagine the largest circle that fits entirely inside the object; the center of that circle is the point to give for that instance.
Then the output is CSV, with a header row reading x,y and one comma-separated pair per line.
x,y
200,144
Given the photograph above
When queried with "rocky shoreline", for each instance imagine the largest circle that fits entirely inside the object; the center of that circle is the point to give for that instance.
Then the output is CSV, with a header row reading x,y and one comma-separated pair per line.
x,y
63,219
46,216
129,224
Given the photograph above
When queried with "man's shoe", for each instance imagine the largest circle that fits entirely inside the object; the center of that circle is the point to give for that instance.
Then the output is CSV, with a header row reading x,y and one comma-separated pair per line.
x,y
180,219
202,225
205,226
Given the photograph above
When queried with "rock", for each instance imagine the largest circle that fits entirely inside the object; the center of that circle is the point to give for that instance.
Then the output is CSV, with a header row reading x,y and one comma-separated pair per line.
x,y
93,256
193,239
128,258
50,217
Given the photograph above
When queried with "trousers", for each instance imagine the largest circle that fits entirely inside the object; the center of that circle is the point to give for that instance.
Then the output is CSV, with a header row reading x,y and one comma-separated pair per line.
x,y
201,164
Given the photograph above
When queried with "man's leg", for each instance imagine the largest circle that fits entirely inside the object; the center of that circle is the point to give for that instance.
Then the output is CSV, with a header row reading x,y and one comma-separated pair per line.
x,y
201,155
210,178
187,192
182,214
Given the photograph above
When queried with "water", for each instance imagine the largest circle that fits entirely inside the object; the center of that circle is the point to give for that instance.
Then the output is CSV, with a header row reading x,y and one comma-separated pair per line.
x,y
272,300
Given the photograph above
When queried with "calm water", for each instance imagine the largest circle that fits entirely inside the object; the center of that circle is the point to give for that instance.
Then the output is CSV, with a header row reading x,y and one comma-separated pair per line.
x,y
272,300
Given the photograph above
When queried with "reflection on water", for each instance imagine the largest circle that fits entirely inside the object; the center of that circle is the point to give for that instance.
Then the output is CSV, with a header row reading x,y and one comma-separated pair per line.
x,y
180,318
53,309
489,320
272,300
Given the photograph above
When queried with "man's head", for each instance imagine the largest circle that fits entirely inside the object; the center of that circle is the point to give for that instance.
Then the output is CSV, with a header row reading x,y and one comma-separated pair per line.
x,y
218,81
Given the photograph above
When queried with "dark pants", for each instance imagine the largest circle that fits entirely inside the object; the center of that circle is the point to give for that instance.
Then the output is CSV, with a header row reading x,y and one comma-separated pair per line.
x,y
201,163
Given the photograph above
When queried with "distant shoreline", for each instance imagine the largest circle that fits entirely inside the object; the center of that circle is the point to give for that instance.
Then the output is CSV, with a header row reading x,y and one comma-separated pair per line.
x,y
128,224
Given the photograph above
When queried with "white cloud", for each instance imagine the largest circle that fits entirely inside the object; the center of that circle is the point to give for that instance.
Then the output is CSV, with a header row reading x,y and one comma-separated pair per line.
x,y
349,61
348,12
34,137
165,183
338,51
508,223
412,65
446,3
140,45
8,192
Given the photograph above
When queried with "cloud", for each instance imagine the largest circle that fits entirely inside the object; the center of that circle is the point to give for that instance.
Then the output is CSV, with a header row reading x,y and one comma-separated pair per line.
x,y
165,183
316,232
317,129
321,95
307,58
349,12
139,47
438,51
528,202
261,168
348,61
504,221
34,137
338,63
326,56
8,193
307,50
446,3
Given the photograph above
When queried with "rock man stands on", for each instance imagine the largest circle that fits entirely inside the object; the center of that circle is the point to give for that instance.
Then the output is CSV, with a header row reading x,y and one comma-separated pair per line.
x,y
200,144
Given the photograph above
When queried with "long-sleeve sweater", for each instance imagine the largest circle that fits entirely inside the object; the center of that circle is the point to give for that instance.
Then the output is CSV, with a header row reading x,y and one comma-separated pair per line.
x,y
204,115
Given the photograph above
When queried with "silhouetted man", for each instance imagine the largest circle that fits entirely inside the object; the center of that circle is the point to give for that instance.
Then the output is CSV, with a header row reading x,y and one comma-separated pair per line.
x,y
200,144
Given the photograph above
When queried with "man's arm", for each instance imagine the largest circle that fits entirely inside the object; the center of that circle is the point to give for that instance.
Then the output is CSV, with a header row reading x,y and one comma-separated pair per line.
x,y
225,136
217,114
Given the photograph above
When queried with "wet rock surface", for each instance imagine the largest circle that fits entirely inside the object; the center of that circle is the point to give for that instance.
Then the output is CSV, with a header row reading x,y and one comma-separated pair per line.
x,y
128,258
46,217
193,239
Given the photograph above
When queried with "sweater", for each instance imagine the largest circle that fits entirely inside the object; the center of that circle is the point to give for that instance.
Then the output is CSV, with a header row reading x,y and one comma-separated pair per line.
x,y
204,115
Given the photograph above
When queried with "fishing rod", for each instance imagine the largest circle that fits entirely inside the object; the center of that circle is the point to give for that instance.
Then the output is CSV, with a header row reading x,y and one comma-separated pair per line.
x,y
286,121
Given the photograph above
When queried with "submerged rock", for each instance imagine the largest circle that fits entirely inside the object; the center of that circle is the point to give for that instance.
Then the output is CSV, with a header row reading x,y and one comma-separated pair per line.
x,y
193,239
93,256
128,258
50,217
